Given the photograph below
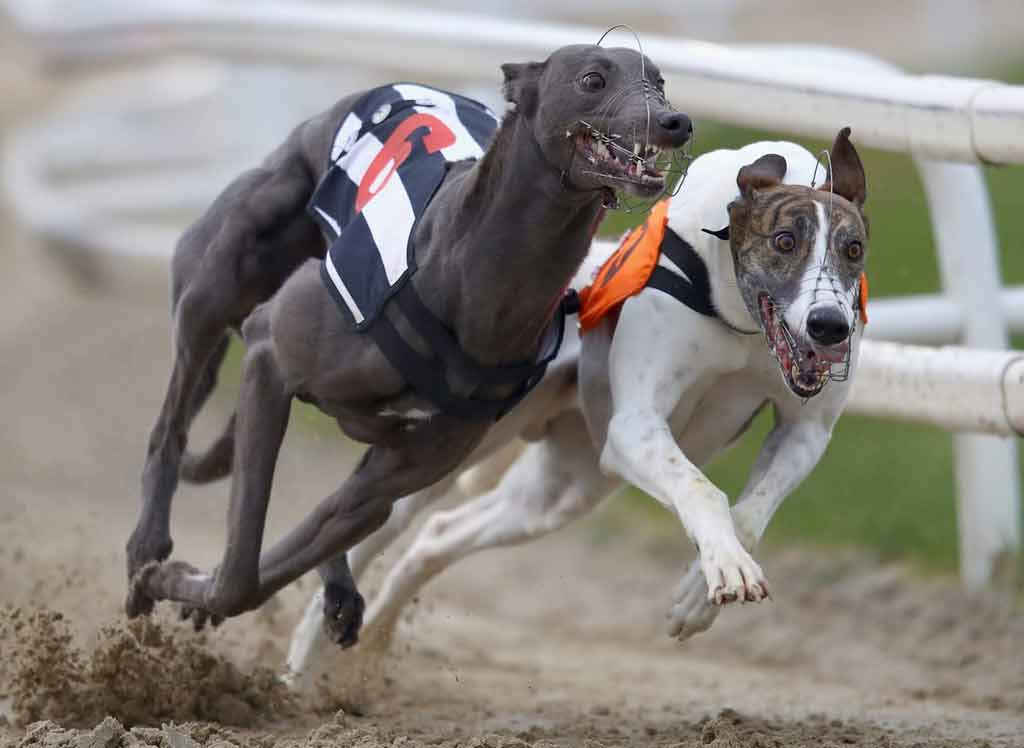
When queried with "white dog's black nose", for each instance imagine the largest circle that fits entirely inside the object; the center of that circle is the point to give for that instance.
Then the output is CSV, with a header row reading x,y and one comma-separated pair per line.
x,y
677,126
827,325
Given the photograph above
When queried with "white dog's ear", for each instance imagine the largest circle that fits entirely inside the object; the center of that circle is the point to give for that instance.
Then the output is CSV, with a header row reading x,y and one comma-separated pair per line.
x,y
767,171
522,81
847,177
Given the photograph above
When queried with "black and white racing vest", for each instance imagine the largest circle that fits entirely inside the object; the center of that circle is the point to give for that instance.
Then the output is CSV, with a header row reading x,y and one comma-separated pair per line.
x,y
389,156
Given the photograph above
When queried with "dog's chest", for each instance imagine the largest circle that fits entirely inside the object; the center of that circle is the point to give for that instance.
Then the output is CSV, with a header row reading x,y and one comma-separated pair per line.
x,y
718,405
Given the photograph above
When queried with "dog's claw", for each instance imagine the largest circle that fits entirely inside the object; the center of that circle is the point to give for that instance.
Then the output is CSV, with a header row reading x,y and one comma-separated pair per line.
x,y
696,607
200,618
733,576
343,614
138,601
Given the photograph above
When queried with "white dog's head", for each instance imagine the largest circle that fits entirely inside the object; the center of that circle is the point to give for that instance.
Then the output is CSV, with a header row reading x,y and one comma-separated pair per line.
x,y
799,255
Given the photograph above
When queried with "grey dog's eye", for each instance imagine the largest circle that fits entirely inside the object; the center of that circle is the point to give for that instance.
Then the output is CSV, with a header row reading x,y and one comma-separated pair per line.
x,y
593,81
784,241
855,250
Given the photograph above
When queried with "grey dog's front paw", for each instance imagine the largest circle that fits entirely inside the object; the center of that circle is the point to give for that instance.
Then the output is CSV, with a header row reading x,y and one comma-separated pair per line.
x,y
199,617
343,614
167,580
143,553
139,601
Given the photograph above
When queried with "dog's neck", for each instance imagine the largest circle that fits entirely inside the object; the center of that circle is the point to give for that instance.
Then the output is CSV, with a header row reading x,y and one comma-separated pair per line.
x,y
522,231
725,292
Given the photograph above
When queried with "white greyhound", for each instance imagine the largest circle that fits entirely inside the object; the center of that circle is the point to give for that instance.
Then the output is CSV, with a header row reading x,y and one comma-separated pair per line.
x,y
751,295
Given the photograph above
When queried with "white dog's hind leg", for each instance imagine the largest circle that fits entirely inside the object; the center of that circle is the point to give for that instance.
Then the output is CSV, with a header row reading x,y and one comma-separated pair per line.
x,y
309,642
788,455
553,481
405,511
486,474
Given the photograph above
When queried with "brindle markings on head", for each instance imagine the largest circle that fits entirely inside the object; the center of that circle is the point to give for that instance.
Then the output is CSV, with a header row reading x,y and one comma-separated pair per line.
x,y
821,224
816,270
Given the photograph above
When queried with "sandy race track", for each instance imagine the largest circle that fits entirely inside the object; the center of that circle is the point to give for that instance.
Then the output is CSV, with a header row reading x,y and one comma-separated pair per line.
x,y
558,643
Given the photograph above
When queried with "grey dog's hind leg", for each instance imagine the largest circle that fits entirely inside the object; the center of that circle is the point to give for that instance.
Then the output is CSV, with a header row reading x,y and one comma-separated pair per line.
x,y
199,324
215,462
208,379
262,420
232,258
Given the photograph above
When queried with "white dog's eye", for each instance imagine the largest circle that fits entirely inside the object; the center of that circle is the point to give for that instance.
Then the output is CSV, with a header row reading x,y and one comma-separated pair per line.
x,y
593,81
784,241
854,250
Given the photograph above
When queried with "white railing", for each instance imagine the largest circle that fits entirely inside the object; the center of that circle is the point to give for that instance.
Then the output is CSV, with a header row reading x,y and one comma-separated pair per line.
x,y
801,90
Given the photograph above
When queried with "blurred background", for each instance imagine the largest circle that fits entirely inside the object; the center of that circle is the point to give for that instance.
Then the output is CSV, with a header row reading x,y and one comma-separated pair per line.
x,y
113,141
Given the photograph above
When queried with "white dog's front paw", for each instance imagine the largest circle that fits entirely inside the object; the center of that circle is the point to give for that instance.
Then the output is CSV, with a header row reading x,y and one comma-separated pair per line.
x,y
691,612
731,574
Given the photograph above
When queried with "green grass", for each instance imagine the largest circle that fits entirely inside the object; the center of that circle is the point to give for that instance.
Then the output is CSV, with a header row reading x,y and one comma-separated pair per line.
x,y
883,486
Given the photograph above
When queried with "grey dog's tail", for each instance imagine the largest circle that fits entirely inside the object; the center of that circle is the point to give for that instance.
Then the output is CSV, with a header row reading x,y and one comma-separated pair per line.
x,y
215,462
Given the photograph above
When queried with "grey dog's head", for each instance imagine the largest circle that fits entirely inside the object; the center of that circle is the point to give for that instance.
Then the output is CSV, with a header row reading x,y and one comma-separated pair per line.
x,y
799,254
599,115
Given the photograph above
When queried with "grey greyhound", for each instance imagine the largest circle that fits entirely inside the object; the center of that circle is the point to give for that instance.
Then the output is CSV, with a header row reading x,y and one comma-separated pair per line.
x,y
495,250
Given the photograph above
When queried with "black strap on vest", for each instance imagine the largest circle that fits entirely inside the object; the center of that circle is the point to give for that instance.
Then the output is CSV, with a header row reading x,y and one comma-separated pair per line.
x,y
429,375
693,290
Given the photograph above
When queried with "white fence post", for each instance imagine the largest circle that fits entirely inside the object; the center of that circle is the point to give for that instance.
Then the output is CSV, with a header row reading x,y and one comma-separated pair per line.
x,y
987,473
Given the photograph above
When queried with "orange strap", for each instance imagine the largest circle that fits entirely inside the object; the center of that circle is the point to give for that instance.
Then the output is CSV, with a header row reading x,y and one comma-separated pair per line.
x,y
626,272
864,298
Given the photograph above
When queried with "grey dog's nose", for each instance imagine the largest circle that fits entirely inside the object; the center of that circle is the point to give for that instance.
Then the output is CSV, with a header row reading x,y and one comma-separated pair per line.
x,y
676,126
827,325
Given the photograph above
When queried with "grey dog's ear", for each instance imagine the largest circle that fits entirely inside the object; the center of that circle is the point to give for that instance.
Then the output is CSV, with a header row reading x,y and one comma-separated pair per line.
x,y
767,171
521,84
847,177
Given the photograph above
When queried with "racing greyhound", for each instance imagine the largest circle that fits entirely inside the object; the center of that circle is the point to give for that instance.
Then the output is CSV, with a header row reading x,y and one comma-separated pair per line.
x,y
772,290
482,267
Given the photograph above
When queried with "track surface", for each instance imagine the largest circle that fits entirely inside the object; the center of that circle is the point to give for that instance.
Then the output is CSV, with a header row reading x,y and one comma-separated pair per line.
x,y
559,641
